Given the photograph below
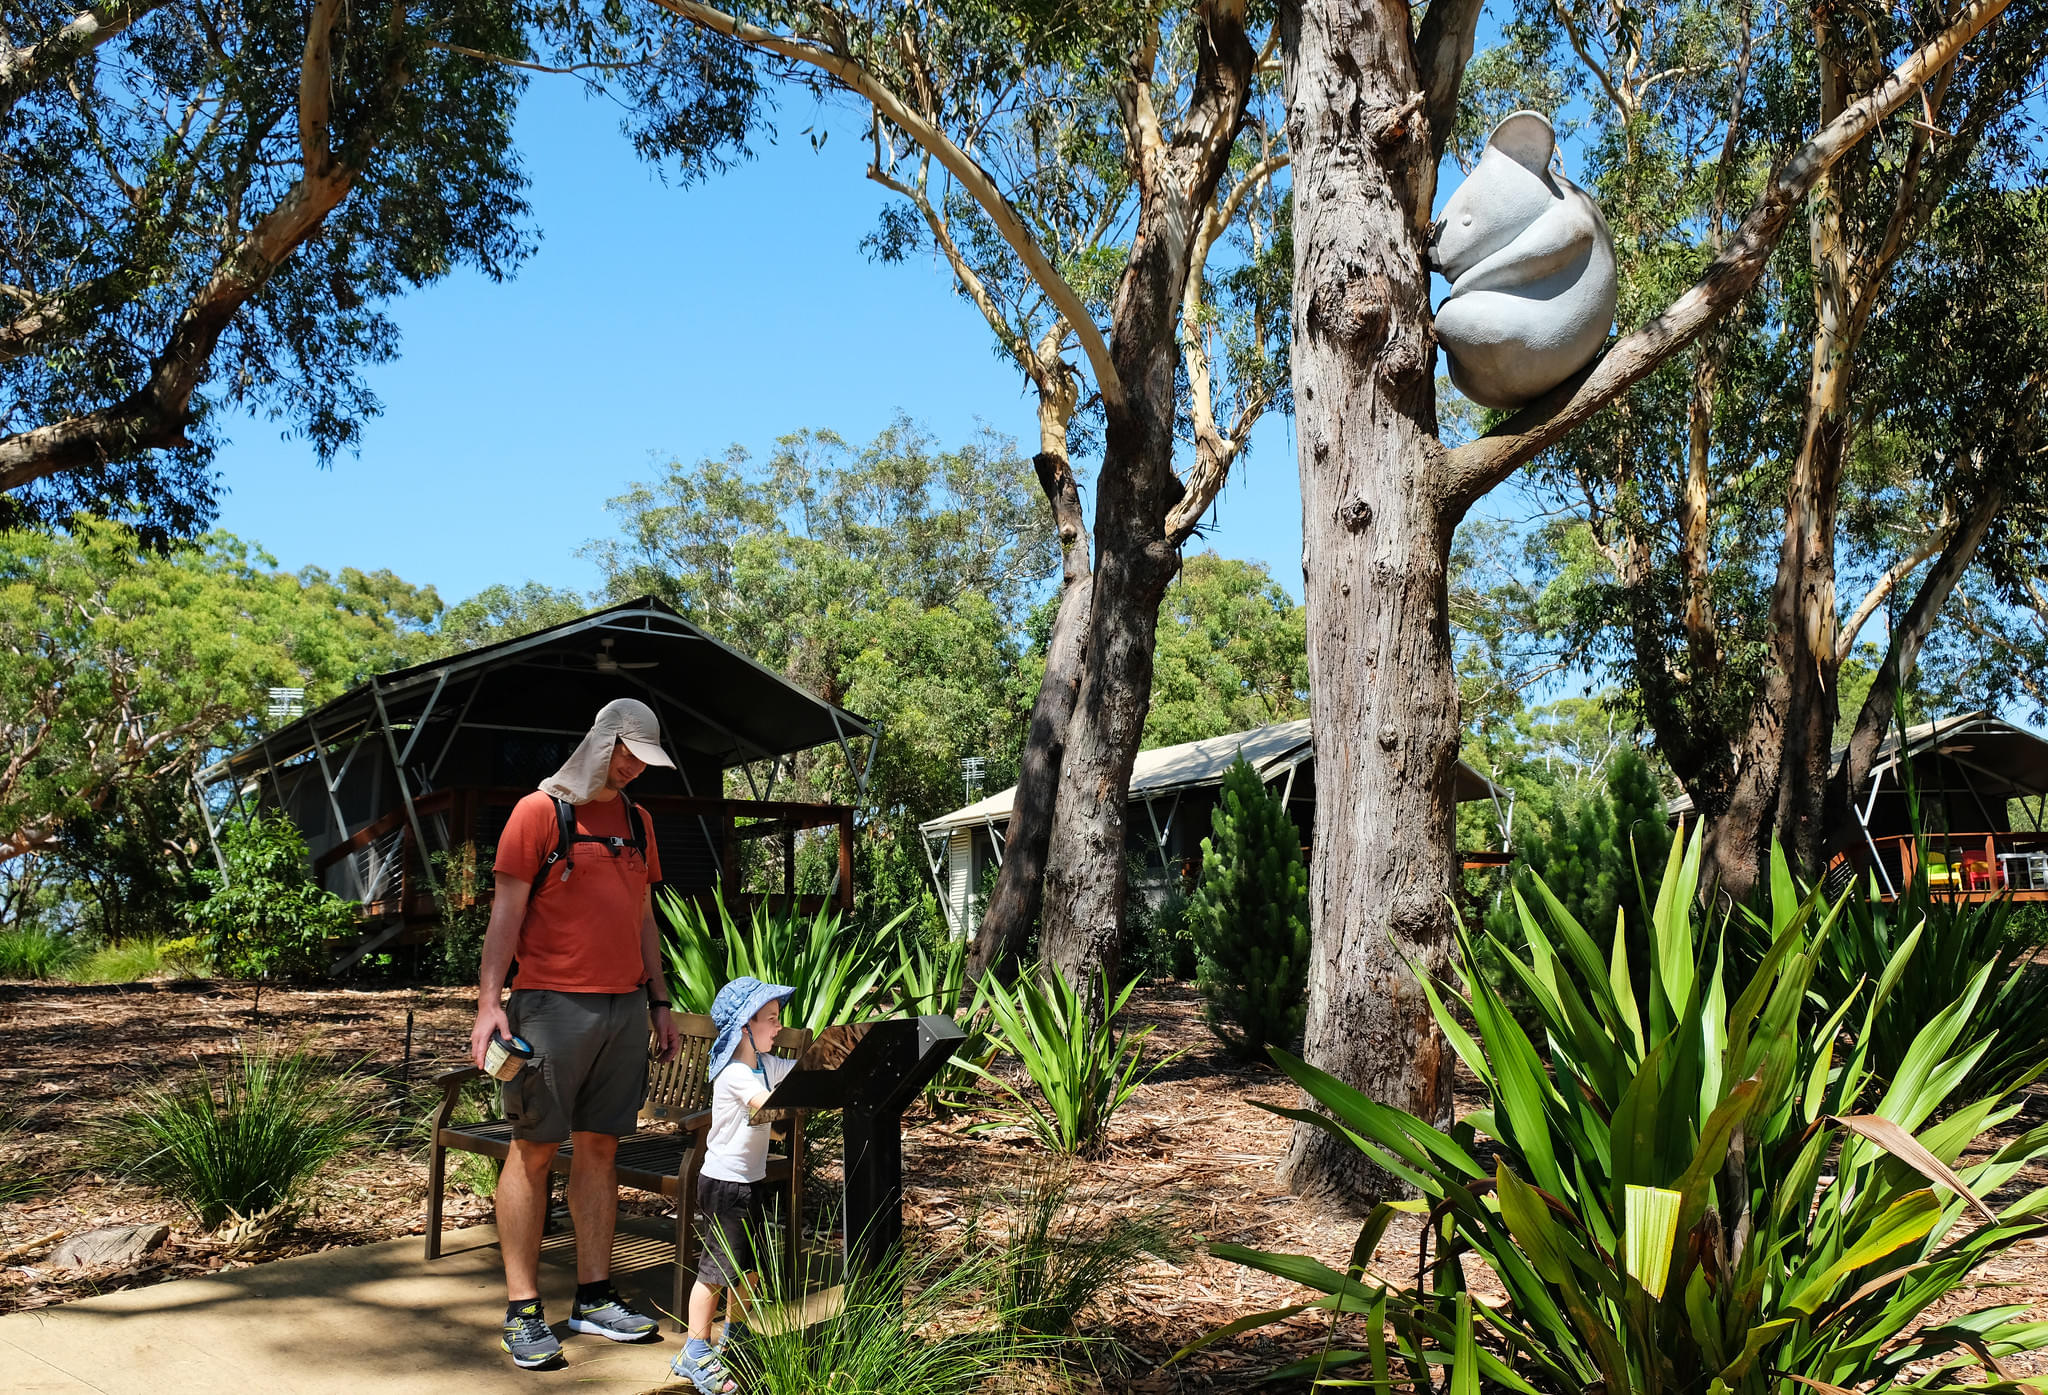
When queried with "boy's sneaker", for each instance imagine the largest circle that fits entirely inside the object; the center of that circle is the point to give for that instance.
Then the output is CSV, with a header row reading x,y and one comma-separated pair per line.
x,y
704,1371
527,1339
611,1316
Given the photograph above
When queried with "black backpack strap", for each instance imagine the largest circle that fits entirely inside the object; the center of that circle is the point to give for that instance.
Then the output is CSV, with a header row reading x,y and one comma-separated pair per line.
x,y
565,842
566,838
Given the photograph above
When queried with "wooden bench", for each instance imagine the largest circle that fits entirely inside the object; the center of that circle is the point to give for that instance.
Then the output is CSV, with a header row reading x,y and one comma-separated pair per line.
x,y
662,1156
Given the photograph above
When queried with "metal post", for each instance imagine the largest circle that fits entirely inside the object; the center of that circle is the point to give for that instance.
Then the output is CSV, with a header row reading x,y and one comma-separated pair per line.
x,y
412,815
328,778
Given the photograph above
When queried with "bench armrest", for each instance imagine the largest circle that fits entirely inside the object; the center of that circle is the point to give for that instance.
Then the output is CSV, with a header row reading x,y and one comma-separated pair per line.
x,y
454,1079
450,1084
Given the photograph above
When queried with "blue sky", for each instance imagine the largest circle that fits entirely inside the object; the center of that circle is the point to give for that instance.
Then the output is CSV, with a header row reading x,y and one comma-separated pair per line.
x,y
655,322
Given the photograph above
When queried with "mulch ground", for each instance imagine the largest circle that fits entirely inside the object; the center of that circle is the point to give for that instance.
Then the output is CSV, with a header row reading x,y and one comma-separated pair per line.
x,y
1192,1146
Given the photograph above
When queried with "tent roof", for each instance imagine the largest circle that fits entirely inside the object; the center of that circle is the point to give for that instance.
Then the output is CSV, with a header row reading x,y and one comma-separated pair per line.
x,y
1272,751
2004,761
735,709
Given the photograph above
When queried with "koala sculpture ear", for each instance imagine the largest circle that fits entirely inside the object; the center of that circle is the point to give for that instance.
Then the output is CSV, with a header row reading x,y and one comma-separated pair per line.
x,y
1527,138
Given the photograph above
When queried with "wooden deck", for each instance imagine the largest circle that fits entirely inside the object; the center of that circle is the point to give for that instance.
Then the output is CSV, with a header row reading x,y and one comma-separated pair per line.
x,y
1966,866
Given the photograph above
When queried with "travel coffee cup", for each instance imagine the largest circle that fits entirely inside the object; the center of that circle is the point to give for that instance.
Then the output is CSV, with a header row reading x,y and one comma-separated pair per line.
x,y
505,1057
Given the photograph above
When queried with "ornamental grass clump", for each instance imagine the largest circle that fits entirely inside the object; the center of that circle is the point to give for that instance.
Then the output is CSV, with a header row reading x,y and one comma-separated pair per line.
x,y
37,952
1701,1190
250,1142
1083,1071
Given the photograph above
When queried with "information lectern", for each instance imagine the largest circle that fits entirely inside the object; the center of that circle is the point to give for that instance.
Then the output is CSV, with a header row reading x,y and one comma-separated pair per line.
x,y
870,1071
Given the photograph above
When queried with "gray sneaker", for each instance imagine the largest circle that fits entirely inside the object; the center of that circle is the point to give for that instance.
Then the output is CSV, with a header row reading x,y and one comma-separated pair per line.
x,y
527,1339
612,1318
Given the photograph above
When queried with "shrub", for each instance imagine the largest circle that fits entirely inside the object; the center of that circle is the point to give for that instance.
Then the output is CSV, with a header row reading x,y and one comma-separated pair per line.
x,y
37,952
269,919
1249,915
1700,1190
912,1325
838,971
463,899
1055,1254
1162,940
132,961
248,1143
1083,1071
1947,942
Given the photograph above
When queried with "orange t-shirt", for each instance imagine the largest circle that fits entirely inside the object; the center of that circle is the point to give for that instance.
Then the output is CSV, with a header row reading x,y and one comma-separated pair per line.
x,y
581,935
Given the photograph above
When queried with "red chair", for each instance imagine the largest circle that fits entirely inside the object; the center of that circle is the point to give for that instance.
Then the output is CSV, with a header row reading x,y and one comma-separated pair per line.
x,y
1978,875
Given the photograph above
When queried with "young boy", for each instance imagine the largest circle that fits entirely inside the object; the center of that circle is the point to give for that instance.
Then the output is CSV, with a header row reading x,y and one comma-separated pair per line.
x,y
748,1014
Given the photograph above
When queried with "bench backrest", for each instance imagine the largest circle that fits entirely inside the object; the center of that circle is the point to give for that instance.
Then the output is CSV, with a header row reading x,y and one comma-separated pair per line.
x,y
682,1087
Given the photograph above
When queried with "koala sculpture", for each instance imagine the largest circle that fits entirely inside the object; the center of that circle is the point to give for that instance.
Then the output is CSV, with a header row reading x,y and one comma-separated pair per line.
x,y
1531,267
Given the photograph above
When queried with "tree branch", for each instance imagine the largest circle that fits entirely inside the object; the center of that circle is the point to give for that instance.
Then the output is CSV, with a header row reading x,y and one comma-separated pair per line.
x,y
24,69
1886,584
155,415
1478,466
975,180
1442,50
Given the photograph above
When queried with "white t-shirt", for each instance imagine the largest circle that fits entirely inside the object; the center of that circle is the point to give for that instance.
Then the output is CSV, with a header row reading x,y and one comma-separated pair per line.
x,y
734,1150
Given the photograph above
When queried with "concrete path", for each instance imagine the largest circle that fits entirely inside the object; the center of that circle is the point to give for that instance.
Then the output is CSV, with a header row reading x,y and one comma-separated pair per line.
x,y
378,1320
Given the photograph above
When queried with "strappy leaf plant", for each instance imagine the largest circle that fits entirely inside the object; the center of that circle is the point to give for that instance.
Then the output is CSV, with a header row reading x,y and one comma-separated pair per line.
x,y
1701,1192
1083,1072
934,980
839,971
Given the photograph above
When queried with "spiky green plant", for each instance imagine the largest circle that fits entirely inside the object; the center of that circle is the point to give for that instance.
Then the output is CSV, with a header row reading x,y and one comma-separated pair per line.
x,y
37,952
1702,1191
916,1323
839,971
1249,916
1083,1072
1056,1254
132,961
934,980
245,1143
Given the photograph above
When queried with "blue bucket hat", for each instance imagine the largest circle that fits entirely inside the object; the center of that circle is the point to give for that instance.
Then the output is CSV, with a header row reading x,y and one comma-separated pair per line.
x,y
734,1008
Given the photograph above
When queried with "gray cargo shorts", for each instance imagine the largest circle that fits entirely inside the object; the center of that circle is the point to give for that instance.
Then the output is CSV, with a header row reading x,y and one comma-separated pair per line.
x,y
589,1071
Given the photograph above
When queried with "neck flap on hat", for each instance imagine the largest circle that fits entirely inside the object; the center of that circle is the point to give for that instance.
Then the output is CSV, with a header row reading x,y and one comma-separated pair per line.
x,y
584,773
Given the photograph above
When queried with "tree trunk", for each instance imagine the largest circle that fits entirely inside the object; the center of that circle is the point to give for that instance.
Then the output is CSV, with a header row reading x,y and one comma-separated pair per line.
x,y
1376,525
1013,907
1136,554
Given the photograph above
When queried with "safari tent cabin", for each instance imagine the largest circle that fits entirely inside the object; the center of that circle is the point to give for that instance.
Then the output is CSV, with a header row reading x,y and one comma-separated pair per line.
x,y
1981,784
1173,791
431,759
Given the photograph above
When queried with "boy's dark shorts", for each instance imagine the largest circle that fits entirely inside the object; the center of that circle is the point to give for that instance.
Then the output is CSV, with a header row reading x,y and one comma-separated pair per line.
x,y
589,1071
730,1218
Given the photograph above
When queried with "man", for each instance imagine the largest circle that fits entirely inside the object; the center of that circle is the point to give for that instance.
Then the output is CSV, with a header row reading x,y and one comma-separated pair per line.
x,y
577,914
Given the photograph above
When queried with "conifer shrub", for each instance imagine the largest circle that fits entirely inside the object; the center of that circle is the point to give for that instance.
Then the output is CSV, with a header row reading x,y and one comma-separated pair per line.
x,y
1249,916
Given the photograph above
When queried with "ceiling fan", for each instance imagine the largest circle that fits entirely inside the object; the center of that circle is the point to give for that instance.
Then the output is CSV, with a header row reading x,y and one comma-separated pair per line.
x,y
603,661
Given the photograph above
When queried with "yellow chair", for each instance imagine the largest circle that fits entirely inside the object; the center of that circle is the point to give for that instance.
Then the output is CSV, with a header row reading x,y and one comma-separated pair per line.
x,y
1942,872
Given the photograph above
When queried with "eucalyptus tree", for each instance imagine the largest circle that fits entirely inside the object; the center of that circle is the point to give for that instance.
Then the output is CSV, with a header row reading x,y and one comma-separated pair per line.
x,y
1372,103
1154,100
1867,422
204,205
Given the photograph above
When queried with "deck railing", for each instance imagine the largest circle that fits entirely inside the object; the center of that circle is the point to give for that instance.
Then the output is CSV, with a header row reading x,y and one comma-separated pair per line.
x,y
1976,865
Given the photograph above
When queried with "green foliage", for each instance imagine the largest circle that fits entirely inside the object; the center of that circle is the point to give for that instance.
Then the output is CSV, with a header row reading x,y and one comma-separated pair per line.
x,y
463,899
839,971
126,668
1059,1249
1162,940
36,951
1083,1072
1943,944
917,1324
253,1140
132,961
1701,1189
892,577
1591,853
495,614
1249,915
269,919
1232,653
933,979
